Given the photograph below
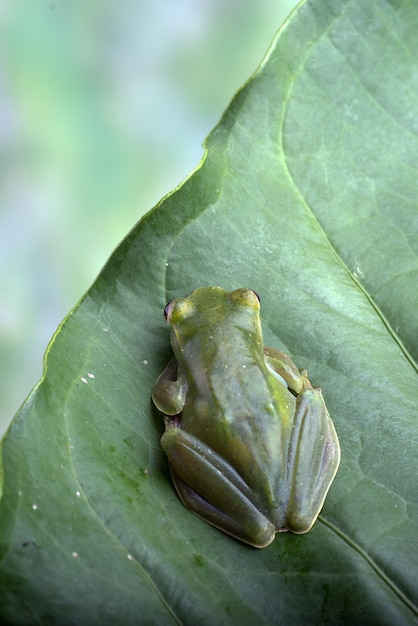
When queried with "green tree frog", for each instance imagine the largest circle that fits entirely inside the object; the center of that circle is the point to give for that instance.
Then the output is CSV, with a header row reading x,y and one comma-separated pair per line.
x,y
250,443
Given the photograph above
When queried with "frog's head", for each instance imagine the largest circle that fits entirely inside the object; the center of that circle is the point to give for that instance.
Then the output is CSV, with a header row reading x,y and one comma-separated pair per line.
x,y
210,311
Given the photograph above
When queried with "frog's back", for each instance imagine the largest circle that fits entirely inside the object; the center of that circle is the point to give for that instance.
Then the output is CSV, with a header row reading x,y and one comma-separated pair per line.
x,y
245,418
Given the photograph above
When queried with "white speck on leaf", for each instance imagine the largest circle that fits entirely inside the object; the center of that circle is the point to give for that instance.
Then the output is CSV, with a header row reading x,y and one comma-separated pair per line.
x,y
357,272
84,380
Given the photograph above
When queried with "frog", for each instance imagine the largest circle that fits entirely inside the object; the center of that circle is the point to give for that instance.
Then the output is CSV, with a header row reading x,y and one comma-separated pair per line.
x,y
251,447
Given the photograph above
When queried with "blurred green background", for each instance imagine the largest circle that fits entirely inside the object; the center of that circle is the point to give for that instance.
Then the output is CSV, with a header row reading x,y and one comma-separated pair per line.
x,y
104,105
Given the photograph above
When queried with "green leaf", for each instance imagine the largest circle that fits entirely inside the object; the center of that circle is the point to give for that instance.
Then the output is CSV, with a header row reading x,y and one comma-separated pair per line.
x,y
308,194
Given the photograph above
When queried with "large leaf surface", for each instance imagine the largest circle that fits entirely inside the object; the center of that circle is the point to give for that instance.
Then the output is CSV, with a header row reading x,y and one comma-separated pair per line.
x,y
307,193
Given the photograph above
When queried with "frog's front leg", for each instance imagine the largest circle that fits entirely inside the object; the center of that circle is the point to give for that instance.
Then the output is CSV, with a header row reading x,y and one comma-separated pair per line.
x,y
169,391
283,368
313,459
211,488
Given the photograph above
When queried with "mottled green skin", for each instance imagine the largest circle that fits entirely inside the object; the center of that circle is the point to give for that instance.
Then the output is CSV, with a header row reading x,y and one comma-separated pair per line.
x,y
251,446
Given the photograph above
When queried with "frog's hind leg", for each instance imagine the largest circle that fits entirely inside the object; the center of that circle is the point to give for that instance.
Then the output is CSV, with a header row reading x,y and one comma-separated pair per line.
x,y
213,489
313,459
212,515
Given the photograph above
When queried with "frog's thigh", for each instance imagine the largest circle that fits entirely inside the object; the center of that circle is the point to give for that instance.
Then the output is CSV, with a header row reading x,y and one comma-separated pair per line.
x,y
313,458
212,489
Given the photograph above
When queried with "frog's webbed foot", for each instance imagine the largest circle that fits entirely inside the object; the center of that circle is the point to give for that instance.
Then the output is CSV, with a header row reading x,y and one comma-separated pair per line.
x,y
212,488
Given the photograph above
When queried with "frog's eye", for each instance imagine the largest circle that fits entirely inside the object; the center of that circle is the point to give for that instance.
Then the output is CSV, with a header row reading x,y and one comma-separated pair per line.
x,y
178,310
167,309
245,297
